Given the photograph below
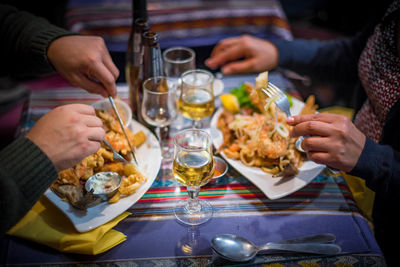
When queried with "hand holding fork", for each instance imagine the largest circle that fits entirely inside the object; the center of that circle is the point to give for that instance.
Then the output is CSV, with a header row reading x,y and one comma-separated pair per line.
x,y
282,102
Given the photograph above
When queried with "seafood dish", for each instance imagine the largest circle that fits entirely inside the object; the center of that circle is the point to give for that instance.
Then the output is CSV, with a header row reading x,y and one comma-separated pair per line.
x,y
258,135
70,184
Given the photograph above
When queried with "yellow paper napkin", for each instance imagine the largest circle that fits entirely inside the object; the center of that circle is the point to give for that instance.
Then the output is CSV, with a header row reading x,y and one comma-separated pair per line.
x,y
363,196
46,224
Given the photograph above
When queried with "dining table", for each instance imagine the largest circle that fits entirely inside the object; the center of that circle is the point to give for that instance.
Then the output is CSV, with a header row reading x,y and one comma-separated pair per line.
x,y
154,237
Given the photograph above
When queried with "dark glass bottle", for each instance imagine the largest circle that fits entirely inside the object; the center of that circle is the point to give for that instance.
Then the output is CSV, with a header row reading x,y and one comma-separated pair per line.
x,y
153,67
152,60
134,55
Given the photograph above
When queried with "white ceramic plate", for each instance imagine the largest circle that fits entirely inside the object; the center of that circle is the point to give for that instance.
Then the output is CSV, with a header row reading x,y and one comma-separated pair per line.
x,y
149,159
273,188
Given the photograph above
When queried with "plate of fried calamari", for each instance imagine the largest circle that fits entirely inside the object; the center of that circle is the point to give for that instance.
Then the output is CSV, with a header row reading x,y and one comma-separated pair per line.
x,y
255,141
84,209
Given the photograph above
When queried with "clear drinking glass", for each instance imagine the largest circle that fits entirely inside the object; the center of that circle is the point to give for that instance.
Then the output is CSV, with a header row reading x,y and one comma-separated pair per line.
x,y
159,109
177,60
193,167
196,100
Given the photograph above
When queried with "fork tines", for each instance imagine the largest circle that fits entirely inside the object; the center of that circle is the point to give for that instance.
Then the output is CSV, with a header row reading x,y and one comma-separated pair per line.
x,y
281,101
274,89
267,92
271,90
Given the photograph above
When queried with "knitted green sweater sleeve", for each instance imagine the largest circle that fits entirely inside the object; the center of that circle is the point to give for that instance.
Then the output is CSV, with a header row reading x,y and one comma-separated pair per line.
x,y
24,42
25,174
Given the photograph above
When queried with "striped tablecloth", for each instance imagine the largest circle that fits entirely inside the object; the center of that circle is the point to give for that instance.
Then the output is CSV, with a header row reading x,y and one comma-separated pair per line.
x,y
155,238
190,23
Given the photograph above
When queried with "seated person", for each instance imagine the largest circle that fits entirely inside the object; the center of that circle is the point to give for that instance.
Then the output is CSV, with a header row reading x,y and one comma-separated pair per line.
x,y
29,165
368,147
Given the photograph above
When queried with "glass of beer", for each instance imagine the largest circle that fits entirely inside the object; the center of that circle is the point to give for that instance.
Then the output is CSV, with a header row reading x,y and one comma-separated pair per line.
x,y
196,100
193,167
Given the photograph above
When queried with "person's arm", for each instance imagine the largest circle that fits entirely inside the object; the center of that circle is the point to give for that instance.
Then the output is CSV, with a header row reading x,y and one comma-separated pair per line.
x,y
379,165
333,140
31,47
322,59
25,174
28,166
332,60
24,42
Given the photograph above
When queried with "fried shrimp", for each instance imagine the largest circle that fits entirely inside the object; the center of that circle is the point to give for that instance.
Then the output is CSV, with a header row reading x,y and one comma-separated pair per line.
x,y
103,161
272,147
260,138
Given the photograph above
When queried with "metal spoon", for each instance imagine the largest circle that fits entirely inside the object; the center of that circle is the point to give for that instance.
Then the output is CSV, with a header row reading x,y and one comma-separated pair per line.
x,y
236,248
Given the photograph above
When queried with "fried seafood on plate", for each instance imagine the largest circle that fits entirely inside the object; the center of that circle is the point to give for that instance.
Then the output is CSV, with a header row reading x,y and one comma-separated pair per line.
x,y
261,138
70,182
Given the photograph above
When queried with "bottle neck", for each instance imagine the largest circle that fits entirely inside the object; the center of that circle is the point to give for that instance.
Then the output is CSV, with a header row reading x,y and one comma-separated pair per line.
x,y
139,10
141,26
152,60
150,39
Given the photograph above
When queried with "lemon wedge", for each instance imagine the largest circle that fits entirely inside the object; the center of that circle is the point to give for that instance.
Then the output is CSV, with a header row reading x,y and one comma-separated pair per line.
x,y
230,102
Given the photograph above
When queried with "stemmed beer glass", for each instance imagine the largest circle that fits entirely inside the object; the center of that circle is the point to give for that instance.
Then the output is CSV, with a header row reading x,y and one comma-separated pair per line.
x,y
159,109
196,99
193,167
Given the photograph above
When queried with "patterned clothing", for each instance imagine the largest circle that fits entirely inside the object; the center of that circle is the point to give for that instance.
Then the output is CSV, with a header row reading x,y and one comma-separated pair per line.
x,y
369,64
379,72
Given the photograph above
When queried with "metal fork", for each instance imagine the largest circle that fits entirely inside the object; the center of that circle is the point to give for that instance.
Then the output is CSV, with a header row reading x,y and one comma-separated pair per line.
x,y
116,155
281,101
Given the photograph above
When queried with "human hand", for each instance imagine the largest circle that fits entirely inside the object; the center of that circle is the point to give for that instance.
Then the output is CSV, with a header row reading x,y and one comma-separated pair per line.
x,y
85,62
244,54
68,134
332,139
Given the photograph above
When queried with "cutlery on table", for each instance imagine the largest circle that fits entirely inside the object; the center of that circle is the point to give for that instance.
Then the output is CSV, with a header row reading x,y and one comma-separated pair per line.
x,y
236,248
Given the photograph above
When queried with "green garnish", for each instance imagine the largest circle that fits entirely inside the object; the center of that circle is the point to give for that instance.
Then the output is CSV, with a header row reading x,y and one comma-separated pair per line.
x,y
242,96
289,97
244,99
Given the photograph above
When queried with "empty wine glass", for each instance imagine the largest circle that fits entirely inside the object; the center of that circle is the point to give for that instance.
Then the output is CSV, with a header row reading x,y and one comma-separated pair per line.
x,y
193,167
196,99
177,60
159,109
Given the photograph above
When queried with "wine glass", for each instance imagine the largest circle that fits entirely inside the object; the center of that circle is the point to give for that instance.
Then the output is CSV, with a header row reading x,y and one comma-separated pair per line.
x,y
159,109
193,167
196,100
177,60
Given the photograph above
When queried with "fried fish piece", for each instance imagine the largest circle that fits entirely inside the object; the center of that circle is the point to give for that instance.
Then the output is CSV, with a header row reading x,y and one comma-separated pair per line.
x,y
76,196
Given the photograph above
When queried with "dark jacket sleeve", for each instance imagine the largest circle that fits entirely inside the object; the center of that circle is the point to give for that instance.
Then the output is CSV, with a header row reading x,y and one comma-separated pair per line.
x,y
332,60
24,42
379,165
25,174
25,171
